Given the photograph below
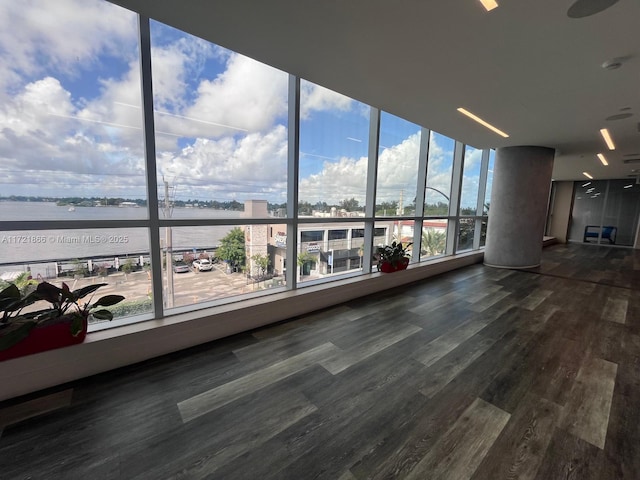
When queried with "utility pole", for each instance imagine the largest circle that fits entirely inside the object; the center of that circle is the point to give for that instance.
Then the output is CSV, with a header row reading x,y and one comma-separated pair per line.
x,y
169,244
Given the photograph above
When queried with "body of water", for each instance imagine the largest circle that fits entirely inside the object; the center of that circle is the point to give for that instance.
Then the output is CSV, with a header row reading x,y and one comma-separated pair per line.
x,y
45,245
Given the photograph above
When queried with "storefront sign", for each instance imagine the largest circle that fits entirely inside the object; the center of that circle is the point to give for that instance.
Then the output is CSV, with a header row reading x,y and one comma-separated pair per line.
x,y
280,239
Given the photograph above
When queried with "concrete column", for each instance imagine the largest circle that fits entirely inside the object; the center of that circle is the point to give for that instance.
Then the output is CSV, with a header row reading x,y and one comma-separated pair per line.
x,y
519,198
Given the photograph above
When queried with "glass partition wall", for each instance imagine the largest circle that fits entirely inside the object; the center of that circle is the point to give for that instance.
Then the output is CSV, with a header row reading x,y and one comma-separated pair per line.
x,y
605,212
185,175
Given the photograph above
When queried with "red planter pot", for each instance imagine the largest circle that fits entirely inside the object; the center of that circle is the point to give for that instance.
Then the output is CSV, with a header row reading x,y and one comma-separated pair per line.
x,y
387,267
45,337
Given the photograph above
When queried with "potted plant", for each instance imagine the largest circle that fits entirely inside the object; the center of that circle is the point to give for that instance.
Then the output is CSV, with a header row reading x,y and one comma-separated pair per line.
x,y
25,330
392,258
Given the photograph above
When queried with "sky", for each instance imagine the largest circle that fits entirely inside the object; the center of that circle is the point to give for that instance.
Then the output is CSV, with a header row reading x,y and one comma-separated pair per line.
x,y
70,118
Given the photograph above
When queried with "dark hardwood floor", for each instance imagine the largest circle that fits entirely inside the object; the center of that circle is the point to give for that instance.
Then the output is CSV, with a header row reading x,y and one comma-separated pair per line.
x,y
481,373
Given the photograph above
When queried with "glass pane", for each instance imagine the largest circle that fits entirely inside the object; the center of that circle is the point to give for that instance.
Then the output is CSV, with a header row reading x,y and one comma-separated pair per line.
x,y
117,257
466,234
70,116
621,213
434,238
487,197
483,233
470,181
327,249
334,136
439,171
221,127
586,216
217,262
397,166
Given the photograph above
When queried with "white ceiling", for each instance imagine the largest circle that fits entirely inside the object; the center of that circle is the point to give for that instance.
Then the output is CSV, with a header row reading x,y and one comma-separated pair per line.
x,y
526,66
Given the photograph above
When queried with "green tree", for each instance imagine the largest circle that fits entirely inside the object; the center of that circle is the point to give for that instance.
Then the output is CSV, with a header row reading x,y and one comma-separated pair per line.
x,y
386,208
303,258
128,266
434,242
439,208
232,248
350,204
305,208
262,262
24,282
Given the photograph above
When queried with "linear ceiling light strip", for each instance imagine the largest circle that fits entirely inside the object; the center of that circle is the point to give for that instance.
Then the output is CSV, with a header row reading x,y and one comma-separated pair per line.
x,y
489,4
482,122
607,138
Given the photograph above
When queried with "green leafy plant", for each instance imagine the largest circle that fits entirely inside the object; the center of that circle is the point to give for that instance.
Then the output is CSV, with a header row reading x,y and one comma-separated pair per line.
x,y
16,322
394,253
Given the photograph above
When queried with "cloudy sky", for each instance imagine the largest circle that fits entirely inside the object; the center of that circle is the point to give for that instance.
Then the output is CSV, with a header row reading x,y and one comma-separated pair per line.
x,y
70,118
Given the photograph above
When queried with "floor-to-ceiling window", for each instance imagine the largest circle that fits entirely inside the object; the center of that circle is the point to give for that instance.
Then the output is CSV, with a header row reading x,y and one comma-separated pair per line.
x,y
333,162
437,196
221,162
179,197
73,195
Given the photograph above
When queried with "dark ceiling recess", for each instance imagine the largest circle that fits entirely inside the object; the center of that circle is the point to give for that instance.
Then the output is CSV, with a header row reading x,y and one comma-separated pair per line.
x,y
586,8
632,160
620,116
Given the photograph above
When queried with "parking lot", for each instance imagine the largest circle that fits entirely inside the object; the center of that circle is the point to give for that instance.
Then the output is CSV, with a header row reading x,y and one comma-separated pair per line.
x,y
189,288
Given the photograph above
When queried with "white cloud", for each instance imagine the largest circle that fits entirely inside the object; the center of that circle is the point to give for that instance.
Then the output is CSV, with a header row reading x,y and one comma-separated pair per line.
x,y
43,138
249,96
397,171
36,38
316,98
230,168
345,178
173,65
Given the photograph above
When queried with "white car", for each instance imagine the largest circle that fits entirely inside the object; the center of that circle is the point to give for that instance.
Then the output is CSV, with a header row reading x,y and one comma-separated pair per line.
x,y
202,265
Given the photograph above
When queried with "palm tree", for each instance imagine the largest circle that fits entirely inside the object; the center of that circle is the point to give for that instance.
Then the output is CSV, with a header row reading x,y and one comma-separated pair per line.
x,y
434,242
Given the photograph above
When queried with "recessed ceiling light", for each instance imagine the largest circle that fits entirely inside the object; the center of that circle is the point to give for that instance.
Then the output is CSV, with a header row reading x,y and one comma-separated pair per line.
x,y
482,122
619,116
627,186
613,64
587,175
602,159
585,184
586,8
607,138
489,4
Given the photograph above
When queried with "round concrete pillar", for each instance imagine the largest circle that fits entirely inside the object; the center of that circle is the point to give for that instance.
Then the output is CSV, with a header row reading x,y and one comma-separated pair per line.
x,y
518,210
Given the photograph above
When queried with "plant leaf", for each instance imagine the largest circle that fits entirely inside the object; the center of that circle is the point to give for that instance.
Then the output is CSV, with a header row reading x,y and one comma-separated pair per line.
x,y
15,333
77,325
84,291
11,292
108,300
48,292
102,315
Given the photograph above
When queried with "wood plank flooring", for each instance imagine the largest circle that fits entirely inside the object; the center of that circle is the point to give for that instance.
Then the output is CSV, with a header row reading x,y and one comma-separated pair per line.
x,y
477,374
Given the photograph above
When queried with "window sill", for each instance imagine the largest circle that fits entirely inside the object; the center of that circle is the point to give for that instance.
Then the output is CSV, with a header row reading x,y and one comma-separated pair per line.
x,y
127,344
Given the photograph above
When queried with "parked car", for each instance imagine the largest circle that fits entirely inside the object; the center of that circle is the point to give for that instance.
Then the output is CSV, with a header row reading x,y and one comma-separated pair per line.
x,y
202,265
181,267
